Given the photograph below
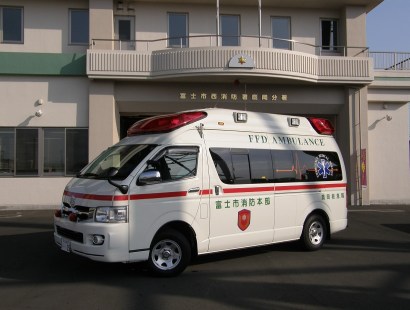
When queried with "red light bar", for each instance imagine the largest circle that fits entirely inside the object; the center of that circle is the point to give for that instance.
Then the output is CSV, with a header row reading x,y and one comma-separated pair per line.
x,y
165,123
322,125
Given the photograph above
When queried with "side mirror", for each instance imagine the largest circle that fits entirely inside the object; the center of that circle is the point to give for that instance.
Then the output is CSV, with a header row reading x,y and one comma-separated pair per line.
x,y
149,177
111,173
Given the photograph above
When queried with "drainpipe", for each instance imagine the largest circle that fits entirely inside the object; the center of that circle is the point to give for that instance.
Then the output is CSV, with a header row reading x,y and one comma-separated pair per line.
x,y
217,23
260,20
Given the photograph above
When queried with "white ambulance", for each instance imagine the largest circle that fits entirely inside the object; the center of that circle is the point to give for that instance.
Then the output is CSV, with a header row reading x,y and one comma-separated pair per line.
x,y
205,181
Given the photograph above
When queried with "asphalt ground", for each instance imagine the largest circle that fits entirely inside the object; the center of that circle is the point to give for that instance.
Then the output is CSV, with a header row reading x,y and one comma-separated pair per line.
x,y
366,266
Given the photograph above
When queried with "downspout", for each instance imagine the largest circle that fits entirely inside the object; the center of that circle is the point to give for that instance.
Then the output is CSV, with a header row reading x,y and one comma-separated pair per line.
x,y
217,23
260,20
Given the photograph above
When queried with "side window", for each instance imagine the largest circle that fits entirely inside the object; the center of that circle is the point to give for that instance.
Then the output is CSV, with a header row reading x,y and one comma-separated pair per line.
x,y
241,168
176,163
261,166
318,166
284,166
223,164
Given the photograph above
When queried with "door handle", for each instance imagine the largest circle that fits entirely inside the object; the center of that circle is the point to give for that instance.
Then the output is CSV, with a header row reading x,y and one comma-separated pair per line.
x,y
193,190
218,190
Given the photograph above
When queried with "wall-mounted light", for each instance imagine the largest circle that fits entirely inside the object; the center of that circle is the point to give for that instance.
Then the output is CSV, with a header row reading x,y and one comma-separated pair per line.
x,y
40,102
120,6
389,118
39,113
131,7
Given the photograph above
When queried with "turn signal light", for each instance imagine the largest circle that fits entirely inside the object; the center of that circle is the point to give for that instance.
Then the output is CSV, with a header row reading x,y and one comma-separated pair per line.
x,y
57,213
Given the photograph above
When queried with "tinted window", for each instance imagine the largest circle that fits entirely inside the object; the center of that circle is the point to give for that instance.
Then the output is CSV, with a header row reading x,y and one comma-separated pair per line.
x,y
12,24
284,166
223,164
79,27
318,166
261,166
281,30
243,166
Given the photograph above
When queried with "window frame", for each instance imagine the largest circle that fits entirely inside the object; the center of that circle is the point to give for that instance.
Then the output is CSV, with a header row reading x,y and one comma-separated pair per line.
x,y
185,39
40,152
221,35
21,41
70,23
333,46
288,18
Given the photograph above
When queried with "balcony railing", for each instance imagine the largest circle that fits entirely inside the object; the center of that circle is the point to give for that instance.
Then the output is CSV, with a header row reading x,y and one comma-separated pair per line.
x,y
217,40
391,60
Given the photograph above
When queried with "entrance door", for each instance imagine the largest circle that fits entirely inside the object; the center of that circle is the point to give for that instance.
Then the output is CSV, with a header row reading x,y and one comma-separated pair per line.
x,y
124,29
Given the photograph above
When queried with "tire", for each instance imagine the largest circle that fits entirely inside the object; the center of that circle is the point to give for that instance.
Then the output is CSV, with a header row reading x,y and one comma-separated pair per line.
x,y
314,233
170,254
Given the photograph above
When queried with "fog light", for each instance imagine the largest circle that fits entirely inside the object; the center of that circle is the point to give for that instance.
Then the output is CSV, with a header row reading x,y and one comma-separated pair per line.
x,y
98,239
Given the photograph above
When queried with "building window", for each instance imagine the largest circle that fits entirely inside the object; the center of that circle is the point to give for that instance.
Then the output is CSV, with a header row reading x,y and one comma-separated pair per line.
x,y
281,32
79,27
329,34
7,151
177,30
11,24
43,151
230,30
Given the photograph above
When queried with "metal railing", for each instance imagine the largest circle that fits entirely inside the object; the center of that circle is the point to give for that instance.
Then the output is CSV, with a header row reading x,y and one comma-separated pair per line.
x,y
220,41
391,60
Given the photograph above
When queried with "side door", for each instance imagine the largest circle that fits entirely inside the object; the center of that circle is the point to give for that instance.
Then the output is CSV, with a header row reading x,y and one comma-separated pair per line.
x,y
175,196
241,203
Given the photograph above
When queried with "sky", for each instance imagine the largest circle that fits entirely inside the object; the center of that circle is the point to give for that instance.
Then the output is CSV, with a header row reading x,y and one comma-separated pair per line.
x,y
388,27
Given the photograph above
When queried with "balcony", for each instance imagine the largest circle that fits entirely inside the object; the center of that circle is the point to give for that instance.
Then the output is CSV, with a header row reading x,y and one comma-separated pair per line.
x,y
205,59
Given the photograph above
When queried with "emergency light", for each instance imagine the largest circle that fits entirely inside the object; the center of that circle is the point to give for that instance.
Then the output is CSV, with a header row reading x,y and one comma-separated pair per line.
x,y
322,125
165,123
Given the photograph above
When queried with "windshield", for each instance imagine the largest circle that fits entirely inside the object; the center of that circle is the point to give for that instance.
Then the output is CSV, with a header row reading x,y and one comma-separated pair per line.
x,y
122,157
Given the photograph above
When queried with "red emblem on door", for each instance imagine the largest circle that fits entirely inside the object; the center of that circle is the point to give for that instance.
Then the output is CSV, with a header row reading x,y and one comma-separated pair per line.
x,y
244,219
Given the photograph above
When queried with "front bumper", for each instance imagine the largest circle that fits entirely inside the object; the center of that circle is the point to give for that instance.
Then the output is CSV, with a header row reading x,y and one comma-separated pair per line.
x,y
77,237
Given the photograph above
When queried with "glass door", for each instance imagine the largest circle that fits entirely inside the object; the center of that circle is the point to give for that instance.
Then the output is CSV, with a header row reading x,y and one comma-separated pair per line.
x,y
124,29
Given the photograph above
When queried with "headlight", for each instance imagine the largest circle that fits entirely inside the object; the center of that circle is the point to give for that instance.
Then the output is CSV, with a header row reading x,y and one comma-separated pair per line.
x,y
111,215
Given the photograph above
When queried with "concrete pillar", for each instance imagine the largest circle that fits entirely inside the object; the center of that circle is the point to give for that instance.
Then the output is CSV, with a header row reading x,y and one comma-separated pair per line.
x,y
101,23
354,31
104,118
353,140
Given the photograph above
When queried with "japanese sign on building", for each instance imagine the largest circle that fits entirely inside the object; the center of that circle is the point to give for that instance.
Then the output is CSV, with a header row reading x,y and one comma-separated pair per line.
x,y
233,97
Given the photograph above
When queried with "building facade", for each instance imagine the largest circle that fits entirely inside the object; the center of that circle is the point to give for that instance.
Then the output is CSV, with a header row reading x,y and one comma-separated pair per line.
x,y
74,75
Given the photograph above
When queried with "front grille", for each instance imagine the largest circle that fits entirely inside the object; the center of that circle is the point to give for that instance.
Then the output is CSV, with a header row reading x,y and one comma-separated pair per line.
x,y
83,213
70,234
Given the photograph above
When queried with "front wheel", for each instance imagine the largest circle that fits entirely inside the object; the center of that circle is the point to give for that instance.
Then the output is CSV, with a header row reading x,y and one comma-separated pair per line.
x,y
314,233
170,254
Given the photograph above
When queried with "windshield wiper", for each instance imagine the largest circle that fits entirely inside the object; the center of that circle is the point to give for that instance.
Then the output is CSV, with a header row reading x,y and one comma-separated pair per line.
x,y
88,174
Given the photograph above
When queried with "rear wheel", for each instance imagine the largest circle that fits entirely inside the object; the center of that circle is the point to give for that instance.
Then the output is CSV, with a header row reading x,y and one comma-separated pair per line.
x,y
170,253
314,233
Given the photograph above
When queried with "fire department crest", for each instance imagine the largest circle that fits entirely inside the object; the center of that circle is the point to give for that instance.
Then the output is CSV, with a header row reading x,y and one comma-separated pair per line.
x,y
323,167
244,219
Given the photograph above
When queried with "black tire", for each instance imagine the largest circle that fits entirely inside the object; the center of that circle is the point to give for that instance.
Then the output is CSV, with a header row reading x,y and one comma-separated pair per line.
x,y
314,233
170,253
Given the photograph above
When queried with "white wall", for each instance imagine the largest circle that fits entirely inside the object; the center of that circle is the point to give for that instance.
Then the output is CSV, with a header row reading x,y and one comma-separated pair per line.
x,y
46,24
65,101
389,166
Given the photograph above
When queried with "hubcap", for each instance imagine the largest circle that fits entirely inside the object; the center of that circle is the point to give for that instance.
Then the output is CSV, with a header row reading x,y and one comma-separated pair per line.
x,y
166,254
316,233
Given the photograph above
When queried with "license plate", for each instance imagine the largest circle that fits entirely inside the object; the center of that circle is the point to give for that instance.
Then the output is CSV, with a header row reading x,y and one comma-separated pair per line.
x,y
66,245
